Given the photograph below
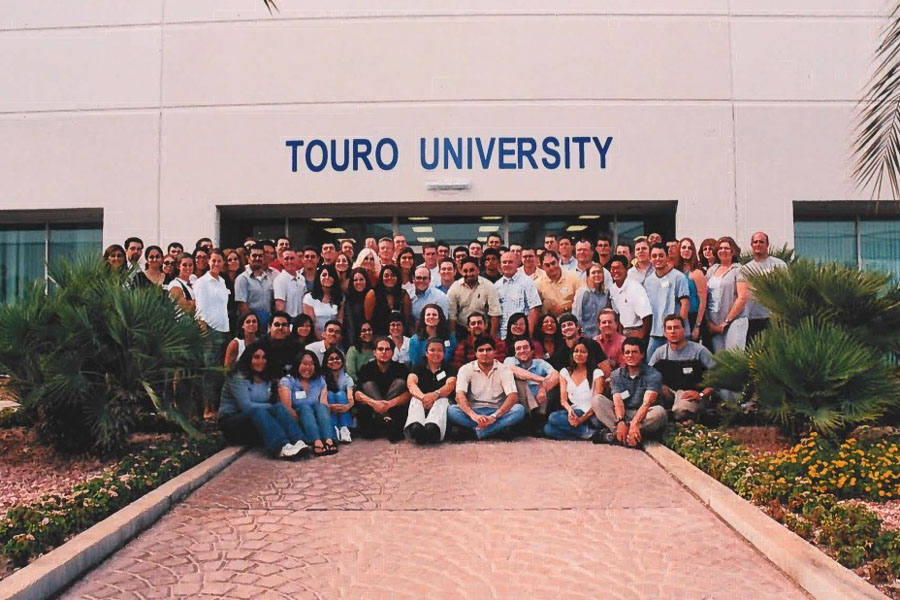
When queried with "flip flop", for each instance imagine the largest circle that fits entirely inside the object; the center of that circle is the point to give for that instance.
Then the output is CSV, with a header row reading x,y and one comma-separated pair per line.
x,y
320,450
330,447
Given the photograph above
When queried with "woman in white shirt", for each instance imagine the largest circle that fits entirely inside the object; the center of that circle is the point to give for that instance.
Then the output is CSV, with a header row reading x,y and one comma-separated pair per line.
x,y
326,300
211,296
577,385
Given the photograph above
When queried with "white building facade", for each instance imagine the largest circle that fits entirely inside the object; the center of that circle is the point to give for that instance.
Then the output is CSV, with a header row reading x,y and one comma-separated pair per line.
x,y
176,119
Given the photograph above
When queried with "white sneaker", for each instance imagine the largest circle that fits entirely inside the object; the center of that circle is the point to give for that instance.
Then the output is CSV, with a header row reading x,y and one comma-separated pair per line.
x,y
344,435
289,450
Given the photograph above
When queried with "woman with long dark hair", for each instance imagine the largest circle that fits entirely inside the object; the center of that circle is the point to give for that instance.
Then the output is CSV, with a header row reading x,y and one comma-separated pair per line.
x,y
152,273
517,329
707,253
340,393
181,288
578,383
548,335
342,268
247,413
304,330
386,297
688,262
248,328
114,257
432,324
305,396
355,303
326,301
362,350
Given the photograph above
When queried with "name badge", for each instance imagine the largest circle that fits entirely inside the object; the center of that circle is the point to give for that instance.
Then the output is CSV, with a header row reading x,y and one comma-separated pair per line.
x,y
625,394
664,284
563,290
300,395
446,343
441,376
687,370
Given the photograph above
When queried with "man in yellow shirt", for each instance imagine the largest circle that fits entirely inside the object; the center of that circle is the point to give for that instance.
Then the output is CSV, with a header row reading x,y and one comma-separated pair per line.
x,y
556,287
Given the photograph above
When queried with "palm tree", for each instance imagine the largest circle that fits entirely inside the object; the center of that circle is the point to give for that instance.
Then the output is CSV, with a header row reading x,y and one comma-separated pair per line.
x,y
877,144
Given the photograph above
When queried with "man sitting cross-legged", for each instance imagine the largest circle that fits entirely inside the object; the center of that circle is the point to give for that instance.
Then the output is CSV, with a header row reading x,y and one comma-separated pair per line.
x,y
631,415
382,396
486,397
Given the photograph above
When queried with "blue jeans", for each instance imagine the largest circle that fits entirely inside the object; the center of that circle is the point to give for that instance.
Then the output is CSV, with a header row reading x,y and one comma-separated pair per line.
x,y
653,343
559,428
316,421
456,416
272,422
340,419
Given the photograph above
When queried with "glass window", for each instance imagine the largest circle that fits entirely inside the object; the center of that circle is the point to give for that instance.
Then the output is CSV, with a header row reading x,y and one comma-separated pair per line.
x,y
880,246
826,241
70,242
21,260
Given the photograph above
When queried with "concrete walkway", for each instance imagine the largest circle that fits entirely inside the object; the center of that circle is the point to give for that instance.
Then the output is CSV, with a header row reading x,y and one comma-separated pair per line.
x,y
527,519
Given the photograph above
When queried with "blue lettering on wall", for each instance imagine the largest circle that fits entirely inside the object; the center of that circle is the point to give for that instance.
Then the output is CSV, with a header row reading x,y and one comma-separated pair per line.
x,y
454,153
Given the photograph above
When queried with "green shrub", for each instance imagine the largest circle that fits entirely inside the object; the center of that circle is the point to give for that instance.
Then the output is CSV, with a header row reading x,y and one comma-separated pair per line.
x,y
89,358
29,530
811,376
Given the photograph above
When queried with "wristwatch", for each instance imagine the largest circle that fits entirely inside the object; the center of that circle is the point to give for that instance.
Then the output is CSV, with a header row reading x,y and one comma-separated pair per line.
x,y
620,420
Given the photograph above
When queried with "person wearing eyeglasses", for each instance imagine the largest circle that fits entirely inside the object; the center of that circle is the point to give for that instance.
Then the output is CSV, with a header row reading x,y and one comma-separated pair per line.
x,y
289,286
253,288
425,293
382,396
281,347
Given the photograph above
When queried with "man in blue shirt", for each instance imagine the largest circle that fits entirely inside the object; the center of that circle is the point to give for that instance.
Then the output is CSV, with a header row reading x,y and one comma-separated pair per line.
x,y
536,381
632,415
425,293
667,290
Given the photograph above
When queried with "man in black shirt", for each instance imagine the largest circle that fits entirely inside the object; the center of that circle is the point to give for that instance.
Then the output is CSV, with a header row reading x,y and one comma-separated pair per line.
x,y
280,346
382,395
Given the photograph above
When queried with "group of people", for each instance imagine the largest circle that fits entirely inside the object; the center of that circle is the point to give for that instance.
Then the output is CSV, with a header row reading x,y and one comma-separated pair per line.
x,y
569,341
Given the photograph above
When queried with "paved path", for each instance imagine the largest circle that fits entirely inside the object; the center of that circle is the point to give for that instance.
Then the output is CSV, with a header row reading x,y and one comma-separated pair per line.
x,y
528,519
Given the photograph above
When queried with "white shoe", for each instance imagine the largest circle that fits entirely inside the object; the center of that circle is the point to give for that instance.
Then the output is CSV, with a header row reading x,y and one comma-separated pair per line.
x,y
289,450
344,435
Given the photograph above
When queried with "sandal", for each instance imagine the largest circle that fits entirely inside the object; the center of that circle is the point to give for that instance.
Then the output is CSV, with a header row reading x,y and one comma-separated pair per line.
x,y
319,449
330,447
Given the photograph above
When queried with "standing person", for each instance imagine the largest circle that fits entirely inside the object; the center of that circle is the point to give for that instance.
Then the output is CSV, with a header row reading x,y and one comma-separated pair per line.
x,y
169,268
362,350
707,253
584,258
355,303
253,288
282,243
625,250
329,253
382,395
688,262
152,275
443,250
399,244
556,287
579,382
476,249
406,259
303,331
632,415
340,394
310,265
550,243
609,338
114,256
530,264
134,247
432,324
654,238
201,263
517,293
289,287
177,251
565,250
305,396
494,241
326,301
668,292
460,253
248,327
234,266
342,268
757,314
729,292
642,263
211,297
590,299
603,249
347,249
181,288
447,272
430,260
472,294
367,260
490,264
629,299
430,385
386,297
486,395
425,293
386,251
246,412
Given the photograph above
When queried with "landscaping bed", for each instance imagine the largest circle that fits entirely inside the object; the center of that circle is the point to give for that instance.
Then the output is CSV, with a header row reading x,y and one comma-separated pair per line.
x,y
844,498
59,497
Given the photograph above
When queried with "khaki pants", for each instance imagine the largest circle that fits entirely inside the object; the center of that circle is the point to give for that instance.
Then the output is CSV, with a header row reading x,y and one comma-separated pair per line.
x,y
653,425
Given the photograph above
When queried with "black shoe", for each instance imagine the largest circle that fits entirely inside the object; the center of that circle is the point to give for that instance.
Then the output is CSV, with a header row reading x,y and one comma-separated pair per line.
x,y
416,432
432,433
603,436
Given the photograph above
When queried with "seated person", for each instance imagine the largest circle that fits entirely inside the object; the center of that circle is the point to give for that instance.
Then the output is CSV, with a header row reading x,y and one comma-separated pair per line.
x,y
281,347
401,341
631,415
431,324
431,384
340,393
610,339
486,396
465,349
571,333
535,378
682,364
332,336
382,397
247,413
578,384
304,394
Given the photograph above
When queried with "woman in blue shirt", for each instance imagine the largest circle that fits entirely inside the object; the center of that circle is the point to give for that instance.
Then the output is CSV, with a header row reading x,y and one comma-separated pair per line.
x,y
305,395
432,324
340,393
246,410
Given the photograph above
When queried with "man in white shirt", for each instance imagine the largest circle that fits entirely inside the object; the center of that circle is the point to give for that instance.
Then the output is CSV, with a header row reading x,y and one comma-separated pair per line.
x,y
629,299
517,293
331,337
289,286
758,314
642,265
